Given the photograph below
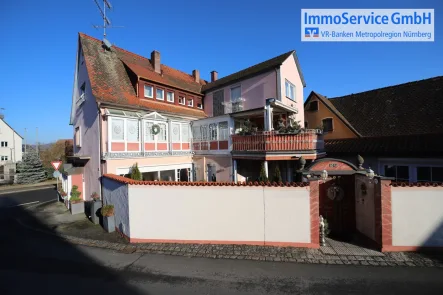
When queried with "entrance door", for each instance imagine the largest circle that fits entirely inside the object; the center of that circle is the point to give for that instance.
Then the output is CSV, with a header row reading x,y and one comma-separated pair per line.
x,y
337,205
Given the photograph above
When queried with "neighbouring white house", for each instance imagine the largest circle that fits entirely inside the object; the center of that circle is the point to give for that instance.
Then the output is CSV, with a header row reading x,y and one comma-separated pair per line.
x,y
10,144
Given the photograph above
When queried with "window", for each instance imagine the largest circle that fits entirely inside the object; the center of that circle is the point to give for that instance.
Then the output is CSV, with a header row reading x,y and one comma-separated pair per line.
x,y
204,132
400,173
82,89
190,102
132,130
4,144
181,100
306,124
235,94
213,131
170,96
199,105
149,136
327,125
4,158
118,129
185,132
161,137
223,129
313,106
430,174
77,137
196,133
160,94
149,91
290,90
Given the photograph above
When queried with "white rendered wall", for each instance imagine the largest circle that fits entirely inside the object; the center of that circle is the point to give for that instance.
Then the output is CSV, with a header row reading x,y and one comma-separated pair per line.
x,y
417,216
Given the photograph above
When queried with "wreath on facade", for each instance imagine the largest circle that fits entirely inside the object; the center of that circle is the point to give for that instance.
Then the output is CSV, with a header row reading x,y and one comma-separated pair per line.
x,y
155,129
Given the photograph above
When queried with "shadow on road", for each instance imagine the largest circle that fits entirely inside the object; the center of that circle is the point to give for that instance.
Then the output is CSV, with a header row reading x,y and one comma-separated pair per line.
x,y
32,261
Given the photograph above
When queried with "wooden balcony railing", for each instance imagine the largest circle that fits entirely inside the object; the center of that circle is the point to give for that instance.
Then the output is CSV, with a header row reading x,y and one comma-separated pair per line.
x,y
269,141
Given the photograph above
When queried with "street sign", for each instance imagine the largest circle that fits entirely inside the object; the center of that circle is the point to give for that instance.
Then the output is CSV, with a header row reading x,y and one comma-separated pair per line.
x,y
56,164
56,174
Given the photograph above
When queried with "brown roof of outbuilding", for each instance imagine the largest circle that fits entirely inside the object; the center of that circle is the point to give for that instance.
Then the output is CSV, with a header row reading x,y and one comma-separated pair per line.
x,y
421,145
111,84
253,70
405,109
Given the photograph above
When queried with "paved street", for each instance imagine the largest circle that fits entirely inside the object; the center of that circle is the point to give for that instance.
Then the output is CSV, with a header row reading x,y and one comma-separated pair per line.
x,y
33,261
25,198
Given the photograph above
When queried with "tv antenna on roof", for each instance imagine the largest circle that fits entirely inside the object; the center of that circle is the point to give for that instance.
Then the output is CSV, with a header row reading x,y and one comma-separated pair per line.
x,y
106,21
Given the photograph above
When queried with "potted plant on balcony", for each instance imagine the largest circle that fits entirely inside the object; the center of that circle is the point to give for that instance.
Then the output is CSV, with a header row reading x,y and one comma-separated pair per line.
x,y
108,218
95,206
76,203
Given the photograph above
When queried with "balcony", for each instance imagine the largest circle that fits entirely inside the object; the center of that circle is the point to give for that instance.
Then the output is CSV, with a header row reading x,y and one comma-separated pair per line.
x,y
271,141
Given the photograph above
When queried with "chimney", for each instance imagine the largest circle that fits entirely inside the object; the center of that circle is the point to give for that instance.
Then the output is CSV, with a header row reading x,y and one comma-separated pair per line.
x,y
155,61
214,75
196,75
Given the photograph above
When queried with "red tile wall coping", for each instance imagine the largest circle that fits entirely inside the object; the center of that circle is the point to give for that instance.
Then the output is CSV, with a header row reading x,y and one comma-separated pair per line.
x,y
416,184
177,183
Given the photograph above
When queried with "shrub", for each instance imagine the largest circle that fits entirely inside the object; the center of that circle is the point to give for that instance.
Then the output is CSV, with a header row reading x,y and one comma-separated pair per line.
x,y
277,175
75,200
108,210
135,173
75,194
263,176
95,196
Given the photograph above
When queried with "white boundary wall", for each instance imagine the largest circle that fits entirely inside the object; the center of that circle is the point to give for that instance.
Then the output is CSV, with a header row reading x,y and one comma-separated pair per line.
x,y
417,216
216,214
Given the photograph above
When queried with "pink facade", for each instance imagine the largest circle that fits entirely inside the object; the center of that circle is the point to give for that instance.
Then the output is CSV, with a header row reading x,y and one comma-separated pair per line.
x,y
288,71
254,90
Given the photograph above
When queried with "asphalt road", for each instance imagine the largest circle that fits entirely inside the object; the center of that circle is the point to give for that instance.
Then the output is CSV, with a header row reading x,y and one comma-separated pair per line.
x,y
32,262
27,198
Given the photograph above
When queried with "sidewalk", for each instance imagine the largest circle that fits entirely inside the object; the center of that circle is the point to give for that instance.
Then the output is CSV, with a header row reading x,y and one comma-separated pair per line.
x,y
78,229
24,187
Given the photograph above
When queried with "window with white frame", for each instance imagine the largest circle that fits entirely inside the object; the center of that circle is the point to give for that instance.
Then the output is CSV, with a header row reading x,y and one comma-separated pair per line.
x,y
160,94
170,96
290,90
4,144
149,136
204,132
175,132
196,133
118,129
223,130
199,105
185,133
190,102
149,91
162,135
132,130
77,137
213,131
181,100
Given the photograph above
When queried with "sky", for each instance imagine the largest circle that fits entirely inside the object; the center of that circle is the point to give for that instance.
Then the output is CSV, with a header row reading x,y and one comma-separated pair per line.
x,y
39,42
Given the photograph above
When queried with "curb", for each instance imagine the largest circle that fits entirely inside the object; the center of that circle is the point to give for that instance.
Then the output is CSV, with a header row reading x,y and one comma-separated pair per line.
x,y
193,251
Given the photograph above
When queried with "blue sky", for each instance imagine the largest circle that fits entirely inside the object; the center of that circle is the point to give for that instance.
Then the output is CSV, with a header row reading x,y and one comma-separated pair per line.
x,y
39,41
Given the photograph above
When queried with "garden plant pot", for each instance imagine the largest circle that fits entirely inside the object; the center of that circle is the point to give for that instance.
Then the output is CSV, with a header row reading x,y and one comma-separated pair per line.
x,y
95,211
77,208
109,223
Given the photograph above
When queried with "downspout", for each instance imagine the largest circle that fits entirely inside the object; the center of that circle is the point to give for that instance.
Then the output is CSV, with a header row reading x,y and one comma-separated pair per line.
x,y
100,150
278,82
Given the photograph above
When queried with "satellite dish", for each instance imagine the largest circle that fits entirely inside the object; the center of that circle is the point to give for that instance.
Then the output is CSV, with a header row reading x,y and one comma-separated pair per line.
x,y
107,44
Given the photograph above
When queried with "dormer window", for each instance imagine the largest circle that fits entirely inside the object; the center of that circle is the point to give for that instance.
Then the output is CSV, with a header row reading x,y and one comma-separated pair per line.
x,y
190,102
170,96
149,91
160,94
327,125
181,100
200,106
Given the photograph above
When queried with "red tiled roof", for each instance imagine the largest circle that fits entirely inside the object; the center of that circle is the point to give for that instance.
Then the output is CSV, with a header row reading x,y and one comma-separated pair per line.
x,y
110,81
198,183
416,184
